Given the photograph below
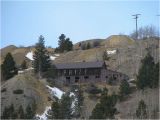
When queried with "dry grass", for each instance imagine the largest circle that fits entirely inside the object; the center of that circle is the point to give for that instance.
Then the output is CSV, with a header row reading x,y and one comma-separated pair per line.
x,y
128,108
33,89
118,41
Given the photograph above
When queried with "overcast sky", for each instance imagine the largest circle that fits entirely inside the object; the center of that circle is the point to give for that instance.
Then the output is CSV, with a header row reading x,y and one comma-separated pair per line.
x,y
23,21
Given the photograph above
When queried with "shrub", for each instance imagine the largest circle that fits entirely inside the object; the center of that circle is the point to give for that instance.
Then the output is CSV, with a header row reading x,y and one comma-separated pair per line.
x,y
18,91
92,89
96,43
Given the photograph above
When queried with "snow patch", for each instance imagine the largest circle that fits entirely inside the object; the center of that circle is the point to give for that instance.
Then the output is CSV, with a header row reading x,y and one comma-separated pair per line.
x,y
29,55
58,93
55,91
74,102
31,68
53,57
43,116
57,55
109,52
20,71
131,80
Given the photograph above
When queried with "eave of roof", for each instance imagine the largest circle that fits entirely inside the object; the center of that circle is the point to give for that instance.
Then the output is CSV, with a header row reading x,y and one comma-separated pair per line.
x,y
76,65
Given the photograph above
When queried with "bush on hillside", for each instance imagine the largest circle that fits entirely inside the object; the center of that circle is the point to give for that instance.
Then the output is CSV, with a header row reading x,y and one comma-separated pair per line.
x,y
92,89
18,91
96,43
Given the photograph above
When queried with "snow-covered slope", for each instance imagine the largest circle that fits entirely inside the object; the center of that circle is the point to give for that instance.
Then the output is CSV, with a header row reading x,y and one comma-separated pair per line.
x,y
55,92
29,55
53,57
109,52
43,116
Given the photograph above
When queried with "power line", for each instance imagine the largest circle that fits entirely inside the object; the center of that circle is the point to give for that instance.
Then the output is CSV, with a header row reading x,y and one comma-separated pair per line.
x,y
136,17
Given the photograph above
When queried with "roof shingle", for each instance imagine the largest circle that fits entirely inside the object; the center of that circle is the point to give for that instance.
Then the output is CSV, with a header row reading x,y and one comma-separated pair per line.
x,y
97,64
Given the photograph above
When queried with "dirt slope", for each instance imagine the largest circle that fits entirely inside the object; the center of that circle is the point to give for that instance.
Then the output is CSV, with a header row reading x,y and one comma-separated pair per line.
x,y
18,53
126,60
118,41
128,107
33,90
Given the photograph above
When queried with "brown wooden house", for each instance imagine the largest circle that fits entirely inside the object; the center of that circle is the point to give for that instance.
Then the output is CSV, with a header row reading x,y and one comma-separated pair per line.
x,y
80,72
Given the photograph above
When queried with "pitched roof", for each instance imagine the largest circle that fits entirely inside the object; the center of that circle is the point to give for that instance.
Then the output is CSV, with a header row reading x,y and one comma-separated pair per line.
x,y
97,64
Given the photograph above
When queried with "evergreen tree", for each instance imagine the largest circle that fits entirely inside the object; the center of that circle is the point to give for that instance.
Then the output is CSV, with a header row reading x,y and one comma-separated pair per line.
x,y
8,67
24,65
124,88
88,46
104,92
61,109
61,42
141,111
55,111
80,97
155,80
29,112
64,44
146,72
98,112
65,106
68,44
21,112
13,114
105,56
9,113
6,113
41,58
105,109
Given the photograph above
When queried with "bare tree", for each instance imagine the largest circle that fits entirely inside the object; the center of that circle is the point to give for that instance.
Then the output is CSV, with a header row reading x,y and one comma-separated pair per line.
x,y
145,32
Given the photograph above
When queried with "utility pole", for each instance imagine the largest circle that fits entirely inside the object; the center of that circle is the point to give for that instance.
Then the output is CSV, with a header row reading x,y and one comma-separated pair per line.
x,y
136,17
158,15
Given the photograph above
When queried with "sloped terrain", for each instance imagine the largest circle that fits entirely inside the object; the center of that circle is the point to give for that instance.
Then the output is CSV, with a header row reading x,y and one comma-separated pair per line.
x,y
32,90
127,58
128,107
118,41
81,55
19,53
5,50
91,42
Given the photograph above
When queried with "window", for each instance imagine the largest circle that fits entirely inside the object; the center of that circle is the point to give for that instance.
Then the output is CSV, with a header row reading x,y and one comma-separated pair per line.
x,y
76,80
86,77
97,76
67,77
76,77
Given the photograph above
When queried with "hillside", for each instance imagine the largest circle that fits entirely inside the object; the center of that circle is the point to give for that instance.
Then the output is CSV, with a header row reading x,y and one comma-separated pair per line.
x,y
33,90
151,98
125,55
126,59
19,53
118,41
